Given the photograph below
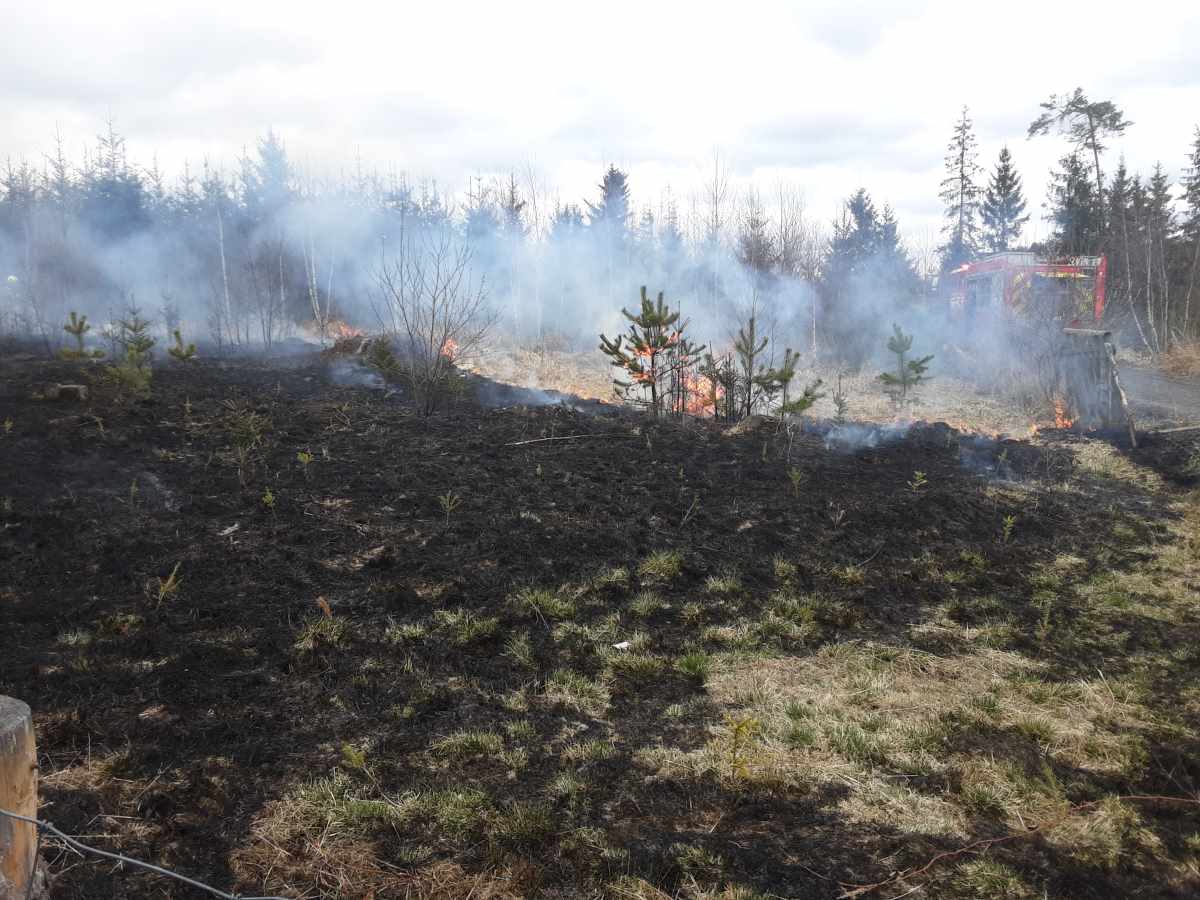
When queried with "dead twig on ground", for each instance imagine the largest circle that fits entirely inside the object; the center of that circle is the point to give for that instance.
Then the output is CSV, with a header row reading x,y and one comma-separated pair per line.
x,y
569,437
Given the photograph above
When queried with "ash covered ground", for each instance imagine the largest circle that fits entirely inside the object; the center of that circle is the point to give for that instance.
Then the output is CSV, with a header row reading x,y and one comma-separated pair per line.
x,y
447,656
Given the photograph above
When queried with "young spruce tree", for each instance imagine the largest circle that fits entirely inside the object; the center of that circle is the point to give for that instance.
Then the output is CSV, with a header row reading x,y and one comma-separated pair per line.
x,y
909,372
1003,211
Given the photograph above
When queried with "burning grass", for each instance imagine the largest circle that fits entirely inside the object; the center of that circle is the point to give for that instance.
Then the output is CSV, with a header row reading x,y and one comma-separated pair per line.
x,y
568,687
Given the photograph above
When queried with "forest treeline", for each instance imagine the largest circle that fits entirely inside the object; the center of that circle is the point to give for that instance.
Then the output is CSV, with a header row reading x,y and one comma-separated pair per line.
x,y
253,256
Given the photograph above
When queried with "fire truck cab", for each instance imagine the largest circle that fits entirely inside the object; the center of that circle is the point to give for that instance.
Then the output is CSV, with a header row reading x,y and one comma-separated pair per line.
x,y
1068,291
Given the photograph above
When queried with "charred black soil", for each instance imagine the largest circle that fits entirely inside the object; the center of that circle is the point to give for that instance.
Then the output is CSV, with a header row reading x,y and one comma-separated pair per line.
x,y
532,651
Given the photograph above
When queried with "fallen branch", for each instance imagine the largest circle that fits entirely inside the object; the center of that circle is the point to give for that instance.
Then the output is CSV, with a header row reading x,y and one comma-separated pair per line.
x,y
570,437
859,890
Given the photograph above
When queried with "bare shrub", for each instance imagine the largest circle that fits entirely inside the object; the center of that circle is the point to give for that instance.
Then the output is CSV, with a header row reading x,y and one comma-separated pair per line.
x,y
434,310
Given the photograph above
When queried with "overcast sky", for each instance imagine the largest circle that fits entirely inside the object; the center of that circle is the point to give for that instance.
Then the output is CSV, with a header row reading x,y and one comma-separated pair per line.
x,y
827,95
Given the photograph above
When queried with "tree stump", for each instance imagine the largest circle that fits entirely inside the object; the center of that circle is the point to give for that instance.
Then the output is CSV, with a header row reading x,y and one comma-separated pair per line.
x,y
18,794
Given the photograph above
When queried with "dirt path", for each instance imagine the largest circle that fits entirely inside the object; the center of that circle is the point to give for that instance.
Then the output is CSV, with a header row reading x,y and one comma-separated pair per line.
x,y
1157,396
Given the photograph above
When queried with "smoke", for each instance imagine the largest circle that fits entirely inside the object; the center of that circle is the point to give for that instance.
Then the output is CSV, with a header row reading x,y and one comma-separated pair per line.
x,y
252,262
347,373
853,436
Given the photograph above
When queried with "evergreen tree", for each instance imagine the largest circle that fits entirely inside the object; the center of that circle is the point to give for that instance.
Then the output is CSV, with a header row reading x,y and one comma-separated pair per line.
x,y
671,242
77,326
1087,124
115,203
608,220
566,223
481,224
181,352
266,179
1191,193
645,239
512,211
1160,204
1190,230
1003,212
610,215
960,194
1073,208
756,249
909,372
867,274
648,352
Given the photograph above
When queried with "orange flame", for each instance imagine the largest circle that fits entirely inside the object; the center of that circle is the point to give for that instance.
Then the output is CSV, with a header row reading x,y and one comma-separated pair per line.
x,y
1061,418
339,329
697,399
450,349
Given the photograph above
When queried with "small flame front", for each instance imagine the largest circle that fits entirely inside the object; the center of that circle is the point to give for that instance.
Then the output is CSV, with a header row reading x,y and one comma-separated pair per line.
x,y
1062,416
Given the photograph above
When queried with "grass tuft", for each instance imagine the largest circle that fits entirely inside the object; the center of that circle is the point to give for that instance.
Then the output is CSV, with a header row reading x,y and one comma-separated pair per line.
x,y
695,665
464,744
543,603
662,565
464,628
575,691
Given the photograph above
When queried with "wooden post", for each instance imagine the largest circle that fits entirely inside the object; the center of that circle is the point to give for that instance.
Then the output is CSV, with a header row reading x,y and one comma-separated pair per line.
x,y
18,794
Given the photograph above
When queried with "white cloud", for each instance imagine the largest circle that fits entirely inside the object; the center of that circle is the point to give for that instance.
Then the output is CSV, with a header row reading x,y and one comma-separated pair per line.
x,y
832,95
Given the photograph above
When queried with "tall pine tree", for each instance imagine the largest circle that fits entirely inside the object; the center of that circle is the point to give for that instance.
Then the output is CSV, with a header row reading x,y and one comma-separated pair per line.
x,y
960,194
608,220
1073,209
1190,228
1087,124
1003,212
1191,192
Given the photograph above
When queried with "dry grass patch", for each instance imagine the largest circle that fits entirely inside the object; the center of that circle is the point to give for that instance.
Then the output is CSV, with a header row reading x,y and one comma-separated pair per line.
x,y
1182,360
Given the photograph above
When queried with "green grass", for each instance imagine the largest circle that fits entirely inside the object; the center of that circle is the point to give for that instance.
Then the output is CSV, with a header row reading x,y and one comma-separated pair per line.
x,y
663,565
463,744
576,691
519,649
520,730
322,631
522,825
566,786
722,585
855,744
463,628
610,577
583,752
695,665
405,632
457,813
646,604
542,603
643,666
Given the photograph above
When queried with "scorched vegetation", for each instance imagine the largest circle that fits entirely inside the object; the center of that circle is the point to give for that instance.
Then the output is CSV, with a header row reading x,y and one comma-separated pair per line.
x,y
294,637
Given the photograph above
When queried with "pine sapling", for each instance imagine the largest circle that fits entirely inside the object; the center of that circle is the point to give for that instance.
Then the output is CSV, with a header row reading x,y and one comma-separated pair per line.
x,y
841,403
168,587
652,353
909,373
719,386
180,352
449,502
77,326
748,347
131,375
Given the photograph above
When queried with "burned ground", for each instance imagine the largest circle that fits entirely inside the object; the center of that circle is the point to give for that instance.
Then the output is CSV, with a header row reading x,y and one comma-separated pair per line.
x,y
446,656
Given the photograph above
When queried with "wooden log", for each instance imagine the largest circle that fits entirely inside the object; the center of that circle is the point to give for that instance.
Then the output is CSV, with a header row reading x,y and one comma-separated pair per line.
x,y
18,794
